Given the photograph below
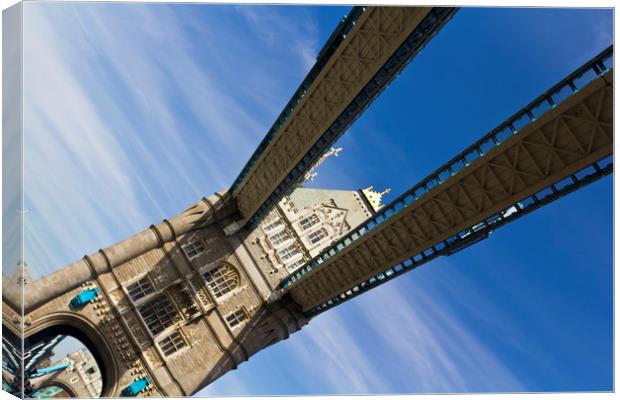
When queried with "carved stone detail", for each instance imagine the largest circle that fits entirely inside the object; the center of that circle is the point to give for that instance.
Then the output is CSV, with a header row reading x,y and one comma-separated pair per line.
x,y
119,299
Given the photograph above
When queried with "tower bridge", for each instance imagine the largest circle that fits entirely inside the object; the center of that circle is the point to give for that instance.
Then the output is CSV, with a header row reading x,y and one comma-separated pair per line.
x,y
365,53
486,183
192,291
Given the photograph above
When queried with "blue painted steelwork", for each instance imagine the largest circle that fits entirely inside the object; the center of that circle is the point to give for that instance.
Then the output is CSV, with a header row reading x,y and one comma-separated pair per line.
x,y
48,370
12,356
322,58
414,43
476,233
7,367
593,69
84,298
40,351
136,387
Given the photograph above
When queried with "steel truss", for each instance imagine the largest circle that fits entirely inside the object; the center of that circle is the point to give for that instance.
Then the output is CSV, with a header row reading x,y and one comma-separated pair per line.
x,y
545,104
477,232
413,44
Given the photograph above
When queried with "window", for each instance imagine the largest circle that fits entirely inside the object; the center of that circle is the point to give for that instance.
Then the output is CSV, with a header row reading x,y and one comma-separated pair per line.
x,y
316,236
272,225
307,222
194,249
295,265
288,252
140,289
236,317
171,344
159,314
222,280
279,238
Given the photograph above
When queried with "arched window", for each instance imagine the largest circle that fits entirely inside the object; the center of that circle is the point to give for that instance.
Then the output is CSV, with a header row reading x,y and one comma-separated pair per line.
x,y
222,279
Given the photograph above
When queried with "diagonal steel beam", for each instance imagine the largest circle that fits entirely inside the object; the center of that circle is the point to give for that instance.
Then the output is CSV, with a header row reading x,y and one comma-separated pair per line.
x,y
368,50
549,142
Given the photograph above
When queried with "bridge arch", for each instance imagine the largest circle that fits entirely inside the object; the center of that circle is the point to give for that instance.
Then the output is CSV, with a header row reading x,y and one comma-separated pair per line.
x,y
71,324
64,386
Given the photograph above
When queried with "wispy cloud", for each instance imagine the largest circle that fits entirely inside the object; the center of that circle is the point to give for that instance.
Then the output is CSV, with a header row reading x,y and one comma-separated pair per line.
x,y
345,366
427,349
271,27
132,112
403,337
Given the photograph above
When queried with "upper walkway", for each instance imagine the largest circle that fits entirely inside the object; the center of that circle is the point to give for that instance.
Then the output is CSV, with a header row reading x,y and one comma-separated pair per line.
x,y
558,143
367,50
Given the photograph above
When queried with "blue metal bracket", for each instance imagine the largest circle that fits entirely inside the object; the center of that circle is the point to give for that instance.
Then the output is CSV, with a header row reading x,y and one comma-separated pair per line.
x,y
136,387
48,370
84,298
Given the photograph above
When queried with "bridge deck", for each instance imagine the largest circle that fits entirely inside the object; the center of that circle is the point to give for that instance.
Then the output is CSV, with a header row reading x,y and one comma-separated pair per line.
x,y
567,129
371,46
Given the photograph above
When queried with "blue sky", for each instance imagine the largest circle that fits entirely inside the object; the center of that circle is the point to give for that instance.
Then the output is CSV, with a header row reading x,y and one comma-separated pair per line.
x,y
133,111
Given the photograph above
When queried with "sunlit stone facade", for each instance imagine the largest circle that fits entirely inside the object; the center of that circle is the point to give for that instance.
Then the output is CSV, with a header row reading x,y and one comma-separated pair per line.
x,y
184,293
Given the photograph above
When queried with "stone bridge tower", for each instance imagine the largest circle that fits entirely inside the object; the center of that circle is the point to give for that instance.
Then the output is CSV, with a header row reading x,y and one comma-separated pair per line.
x,y
182,293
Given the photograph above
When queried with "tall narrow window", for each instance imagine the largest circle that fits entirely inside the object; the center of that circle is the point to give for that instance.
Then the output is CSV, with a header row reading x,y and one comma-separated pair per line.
x,y
171,344
307,222
317,235
279,238
288,252
235,318
222,280
297,264
272,225
194,249
159,314
140,289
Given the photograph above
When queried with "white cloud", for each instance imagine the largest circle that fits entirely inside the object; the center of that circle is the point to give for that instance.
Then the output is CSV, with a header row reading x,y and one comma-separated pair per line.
x,y
108,152
130,116
345,367
417,344
271,27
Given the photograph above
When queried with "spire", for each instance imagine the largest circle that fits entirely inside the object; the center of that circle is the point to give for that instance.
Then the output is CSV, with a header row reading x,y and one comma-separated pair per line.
x,y
22,274
374,197
310,174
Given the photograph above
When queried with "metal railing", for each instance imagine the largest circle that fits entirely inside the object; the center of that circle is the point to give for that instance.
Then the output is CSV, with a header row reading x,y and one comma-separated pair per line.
x,y
477,232
339,34
414,43
590,71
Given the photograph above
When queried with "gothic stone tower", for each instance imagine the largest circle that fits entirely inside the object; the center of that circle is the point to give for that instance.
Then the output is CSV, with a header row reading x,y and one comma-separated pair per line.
x,y
182,293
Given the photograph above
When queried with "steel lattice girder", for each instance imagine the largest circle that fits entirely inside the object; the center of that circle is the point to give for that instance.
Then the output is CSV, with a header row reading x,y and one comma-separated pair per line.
x,y
562,141
380,43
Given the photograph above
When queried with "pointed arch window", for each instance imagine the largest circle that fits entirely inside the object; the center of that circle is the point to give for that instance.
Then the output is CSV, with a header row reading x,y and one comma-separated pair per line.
x,y
222,279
